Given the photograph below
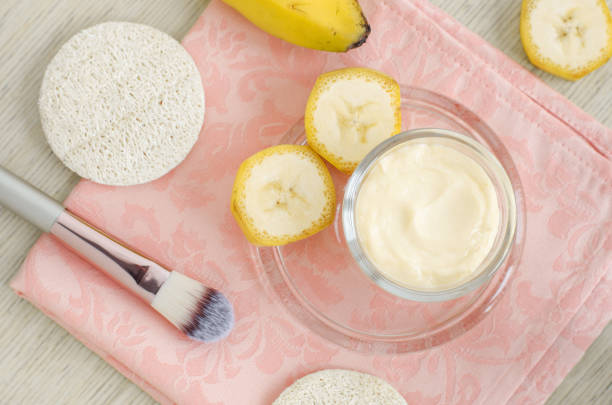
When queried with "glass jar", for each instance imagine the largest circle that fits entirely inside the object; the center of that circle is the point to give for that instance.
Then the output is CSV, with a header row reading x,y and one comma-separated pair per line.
x,y
505,197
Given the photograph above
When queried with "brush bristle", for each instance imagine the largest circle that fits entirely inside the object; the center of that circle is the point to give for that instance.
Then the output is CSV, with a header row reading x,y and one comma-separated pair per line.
x,y
202,313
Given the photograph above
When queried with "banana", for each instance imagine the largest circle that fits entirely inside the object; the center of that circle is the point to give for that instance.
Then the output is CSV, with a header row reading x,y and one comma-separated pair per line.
x,y
568,38
349,112
327,25
282,194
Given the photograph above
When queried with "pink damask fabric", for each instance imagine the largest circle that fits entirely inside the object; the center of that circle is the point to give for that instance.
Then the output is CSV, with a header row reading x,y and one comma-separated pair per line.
x,y
256,88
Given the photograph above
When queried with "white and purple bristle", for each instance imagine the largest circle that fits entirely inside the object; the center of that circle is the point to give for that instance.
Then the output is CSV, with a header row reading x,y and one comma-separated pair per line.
x,y
202,313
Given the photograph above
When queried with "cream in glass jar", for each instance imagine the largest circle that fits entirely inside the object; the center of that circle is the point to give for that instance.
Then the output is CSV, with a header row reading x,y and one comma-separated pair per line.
x,y
430,214
427,215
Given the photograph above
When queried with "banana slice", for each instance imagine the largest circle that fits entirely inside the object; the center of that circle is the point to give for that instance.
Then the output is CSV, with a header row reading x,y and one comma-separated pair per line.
x,y
568,38
282,194
349,112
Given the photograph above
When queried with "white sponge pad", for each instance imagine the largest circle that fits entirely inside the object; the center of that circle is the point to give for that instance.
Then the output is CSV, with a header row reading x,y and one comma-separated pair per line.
x,y
121,103
339,387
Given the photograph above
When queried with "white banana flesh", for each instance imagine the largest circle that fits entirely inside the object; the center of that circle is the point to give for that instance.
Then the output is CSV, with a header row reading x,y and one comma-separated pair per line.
x,y
352,116
570,33
285,194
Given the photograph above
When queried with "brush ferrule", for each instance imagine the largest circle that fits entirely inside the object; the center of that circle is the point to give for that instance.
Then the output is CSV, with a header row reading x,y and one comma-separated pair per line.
x,y
133,270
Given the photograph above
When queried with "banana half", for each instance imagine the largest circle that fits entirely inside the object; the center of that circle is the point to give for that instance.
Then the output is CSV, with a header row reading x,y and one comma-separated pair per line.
x,y
568,38
282,194
349,112
327,25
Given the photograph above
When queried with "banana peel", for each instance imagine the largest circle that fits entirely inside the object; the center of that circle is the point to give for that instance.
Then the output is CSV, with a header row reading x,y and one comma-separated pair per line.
x,y
327,25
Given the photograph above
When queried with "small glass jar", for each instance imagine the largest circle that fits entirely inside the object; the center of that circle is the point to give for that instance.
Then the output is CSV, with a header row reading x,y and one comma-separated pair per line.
x,y
503,241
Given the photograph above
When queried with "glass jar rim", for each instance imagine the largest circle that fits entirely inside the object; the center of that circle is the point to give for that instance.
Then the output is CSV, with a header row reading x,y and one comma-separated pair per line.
x,y
504,239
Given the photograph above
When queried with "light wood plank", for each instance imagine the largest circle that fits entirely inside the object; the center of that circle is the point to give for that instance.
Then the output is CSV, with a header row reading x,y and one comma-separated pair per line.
x,y
39,362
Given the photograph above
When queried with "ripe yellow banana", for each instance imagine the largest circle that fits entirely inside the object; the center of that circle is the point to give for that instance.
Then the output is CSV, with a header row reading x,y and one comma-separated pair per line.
x,y
327,25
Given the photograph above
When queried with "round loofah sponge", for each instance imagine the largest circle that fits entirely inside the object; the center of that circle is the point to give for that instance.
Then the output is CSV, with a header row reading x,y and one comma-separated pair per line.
x,y
121,103
339,387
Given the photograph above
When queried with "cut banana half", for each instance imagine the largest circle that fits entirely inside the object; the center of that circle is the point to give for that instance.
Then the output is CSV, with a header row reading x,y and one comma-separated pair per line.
x,y
282,194
568,38
349,112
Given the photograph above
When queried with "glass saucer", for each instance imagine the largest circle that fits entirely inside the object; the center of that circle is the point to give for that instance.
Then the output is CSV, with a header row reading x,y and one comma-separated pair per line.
x,y
320,284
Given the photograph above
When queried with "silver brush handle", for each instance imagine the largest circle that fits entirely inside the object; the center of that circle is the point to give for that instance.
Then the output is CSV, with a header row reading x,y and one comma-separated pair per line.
x,y
141,275
30,203
138,273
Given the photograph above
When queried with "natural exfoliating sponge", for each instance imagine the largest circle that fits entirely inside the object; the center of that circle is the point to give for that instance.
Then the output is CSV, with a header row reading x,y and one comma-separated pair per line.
x,y
339,387
121,103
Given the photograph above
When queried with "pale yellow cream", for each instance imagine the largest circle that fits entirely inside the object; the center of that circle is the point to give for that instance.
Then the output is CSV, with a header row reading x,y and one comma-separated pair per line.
x,y
427,215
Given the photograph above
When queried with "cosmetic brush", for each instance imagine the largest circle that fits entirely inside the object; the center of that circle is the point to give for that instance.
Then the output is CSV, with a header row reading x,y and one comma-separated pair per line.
x,y
202,313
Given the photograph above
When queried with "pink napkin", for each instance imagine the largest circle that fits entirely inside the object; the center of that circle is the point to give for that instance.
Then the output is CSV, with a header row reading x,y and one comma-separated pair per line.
x,y
256,88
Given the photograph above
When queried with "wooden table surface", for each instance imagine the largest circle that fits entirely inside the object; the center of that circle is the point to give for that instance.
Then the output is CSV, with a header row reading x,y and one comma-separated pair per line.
x,y
40,363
